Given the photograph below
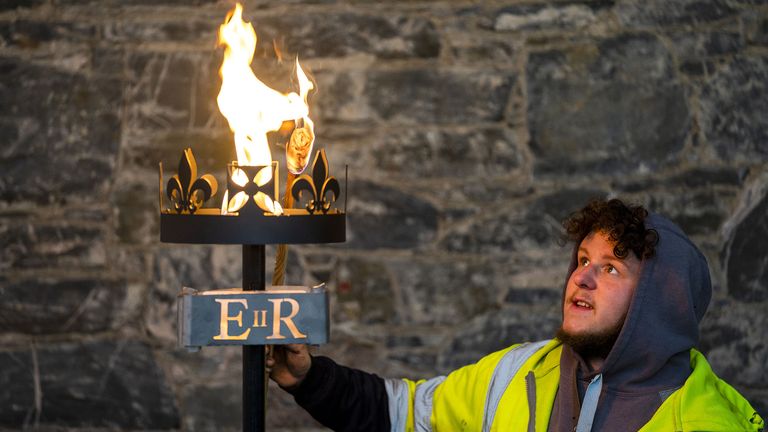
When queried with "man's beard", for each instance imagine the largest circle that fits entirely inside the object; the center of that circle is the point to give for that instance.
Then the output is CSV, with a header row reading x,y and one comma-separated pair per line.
x,y
594,344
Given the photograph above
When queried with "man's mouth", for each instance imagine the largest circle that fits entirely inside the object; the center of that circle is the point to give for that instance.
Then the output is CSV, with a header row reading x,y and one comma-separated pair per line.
x,y
582,304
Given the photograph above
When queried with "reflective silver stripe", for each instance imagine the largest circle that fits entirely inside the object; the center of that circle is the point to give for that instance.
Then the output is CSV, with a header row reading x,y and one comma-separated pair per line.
x,y
398,399
422,404
589,406
507,368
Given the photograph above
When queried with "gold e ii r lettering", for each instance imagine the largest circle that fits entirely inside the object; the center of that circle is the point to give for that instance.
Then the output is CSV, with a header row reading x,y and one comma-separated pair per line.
x,y
225,318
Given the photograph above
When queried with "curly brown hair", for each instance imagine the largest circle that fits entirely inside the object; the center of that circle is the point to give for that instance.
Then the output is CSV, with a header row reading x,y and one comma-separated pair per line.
x,y
623,224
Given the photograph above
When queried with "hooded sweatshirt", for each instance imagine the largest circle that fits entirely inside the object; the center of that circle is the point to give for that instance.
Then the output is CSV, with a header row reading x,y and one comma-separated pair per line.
x,y
651,356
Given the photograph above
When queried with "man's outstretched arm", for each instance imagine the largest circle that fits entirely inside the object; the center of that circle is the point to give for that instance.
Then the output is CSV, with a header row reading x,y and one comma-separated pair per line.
x,y
339,397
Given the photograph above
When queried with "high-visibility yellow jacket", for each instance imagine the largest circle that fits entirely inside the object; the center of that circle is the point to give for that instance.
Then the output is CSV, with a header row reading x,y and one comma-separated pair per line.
x,y
514,390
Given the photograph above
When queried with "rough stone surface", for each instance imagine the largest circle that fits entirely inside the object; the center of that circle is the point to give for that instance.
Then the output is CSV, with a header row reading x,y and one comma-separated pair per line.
x,y
47,305
36,246
136,210
382,217
175,268
708,177
364,292
213,406
501,234
585,115
341,35
172,90
730,104
418,95
182,30
20,4
689,46
418,154
734,341
747,267
698,53
537,17
512,231
30,34
444,292
483,51
345,101
697,212
676,12
117,386
470,129
757,31
62,130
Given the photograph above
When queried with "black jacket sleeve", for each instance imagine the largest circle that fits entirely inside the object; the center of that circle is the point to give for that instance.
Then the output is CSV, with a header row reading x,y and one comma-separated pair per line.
x,y
342,398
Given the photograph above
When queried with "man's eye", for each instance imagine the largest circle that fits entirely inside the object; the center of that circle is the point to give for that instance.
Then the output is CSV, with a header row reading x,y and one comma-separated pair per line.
x,y
611,269
584,262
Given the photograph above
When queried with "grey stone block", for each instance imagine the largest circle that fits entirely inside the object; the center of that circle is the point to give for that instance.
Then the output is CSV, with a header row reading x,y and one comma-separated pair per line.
x,y
51,245
755,27
20,4
56,306
424,95
672,12
115,385
536,296
416,153
747,270
416,360
65,142
214,405
172,90
444,292
696,45
364,292
501,234
731,105
561,203
697,211
537,227
733,339
182,30
135,207
704,176
606,108
544,16
175,268
482,50
30,34
383,217
386,36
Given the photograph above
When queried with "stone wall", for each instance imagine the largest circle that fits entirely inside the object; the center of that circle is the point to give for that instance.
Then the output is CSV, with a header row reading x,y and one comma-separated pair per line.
x,y
470,129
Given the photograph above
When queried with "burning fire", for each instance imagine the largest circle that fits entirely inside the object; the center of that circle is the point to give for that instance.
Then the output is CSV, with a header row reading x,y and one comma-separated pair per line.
x,y
253,109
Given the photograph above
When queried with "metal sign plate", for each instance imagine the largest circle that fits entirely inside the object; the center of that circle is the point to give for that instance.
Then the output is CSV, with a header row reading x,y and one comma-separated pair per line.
x,y
280,315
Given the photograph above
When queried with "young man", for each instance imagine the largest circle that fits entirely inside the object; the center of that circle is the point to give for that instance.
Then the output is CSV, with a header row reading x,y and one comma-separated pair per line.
x,y
622,360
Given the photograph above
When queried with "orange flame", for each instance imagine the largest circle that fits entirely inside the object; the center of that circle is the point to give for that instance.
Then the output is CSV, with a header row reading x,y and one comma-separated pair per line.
x,y
251,107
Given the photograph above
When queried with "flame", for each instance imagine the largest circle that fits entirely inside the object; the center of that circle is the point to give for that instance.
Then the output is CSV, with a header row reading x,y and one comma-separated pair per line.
x,y
251,107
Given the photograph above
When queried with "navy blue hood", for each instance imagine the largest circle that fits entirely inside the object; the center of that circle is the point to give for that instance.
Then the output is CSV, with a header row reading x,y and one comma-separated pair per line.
x,y
651,356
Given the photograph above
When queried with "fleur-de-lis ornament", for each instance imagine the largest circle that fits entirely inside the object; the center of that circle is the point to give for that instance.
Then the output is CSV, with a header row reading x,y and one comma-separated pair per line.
x,y
185,194
319,185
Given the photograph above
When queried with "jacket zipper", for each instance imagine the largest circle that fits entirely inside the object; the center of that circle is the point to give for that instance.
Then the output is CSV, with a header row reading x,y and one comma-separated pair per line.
x,y
530,390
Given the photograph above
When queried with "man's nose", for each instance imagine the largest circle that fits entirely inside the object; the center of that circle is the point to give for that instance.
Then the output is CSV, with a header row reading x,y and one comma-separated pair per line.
x,y
585,278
